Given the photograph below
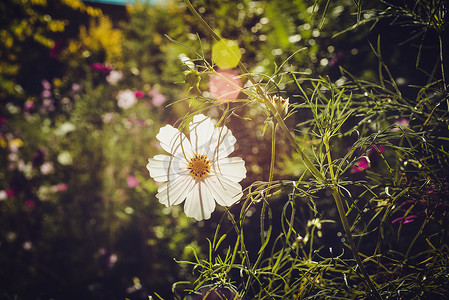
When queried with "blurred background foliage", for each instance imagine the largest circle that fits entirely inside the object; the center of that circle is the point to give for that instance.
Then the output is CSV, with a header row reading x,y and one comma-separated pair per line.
x,y
84,89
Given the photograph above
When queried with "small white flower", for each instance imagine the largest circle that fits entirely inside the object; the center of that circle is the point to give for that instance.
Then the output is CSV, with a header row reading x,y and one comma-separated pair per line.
x,y
114,77
198,171
47,168
126,99
3,195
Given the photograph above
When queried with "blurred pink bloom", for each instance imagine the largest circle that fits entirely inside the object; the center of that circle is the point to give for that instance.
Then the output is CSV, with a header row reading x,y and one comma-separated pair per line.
x,y
225,85
29,105
361,165
46,94
2,120
126,99
46,84
405,220
76,88
101,68
139,94
60,187
365,161
403,122
157,98
30,203
132,181
47,106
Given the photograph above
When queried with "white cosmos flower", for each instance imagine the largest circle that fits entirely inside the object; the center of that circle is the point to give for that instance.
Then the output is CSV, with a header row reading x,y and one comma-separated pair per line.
x,y
198,171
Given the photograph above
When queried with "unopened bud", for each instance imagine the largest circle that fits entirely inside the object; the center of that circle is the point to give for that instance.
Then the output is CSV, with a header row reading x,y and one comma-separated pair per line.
x,y
281,105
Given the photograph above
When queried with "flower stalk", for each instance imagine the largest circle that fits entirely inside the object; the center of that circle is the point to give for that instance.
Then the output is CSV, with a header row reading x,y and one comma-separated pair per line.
x,y
341,212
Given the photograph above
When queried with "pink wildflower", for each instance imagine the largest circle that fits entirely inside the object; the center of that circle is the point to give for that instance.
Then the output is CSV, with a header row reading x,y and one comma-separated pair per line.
x,y
400,123
132,181
60,187
157,98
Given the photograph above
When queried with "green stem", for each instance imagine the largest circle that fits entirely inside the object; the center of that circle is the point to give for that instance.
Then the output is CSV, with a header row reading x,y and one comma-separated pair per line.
x,y
344,220
442,41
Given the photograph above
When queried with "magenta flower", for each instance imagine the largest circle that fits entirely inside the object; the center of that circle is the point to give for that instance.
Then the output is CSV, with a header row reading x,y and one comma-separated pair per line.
x,y
10,193
365,161
101,68
139,94
361,165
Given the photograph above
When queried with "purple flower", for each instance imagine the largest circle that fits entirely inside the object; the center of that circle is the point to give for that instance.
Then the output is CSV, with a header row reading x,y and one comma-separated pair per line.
x,y
101,68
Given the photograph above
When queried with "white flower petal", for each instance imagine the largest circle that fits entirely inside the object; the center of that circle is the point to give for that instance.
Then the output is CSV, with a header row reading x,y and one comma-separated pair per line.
x,y
199,203
223,143
201,134
170,139
224,191
200,195
176,190
165,167
232,168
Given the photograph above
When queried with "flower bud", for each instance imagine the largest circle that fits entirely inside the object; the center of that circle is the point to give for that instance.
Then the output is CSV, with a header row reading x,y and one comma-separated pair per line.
x,y
281,105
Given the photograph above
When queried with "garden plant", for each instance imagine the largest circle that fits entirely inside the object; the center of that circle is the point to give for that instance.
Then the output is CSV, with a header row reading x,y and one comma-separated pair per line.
x,y
218,150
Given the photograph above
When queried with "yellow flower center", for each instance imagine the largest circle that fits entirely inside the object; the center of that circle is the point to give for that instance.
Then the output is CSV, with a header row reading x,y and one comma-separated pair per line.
x,y
199,166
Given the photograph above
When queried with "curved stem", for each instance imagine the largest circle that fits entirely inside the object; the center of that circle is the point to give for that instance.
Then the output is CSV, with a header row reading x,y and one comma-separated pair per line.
x,y
344,220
